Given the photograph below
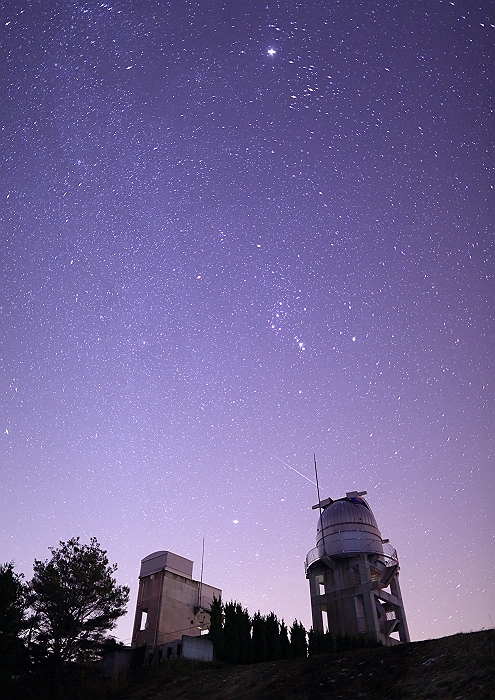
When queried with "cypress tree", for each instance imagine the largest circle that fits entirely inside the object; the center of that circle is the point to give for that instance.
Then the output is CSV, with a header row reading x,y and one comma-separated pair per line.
x,y
328,643
298,640
236,634
285,648
244,627
216,627
273,637
230,634
316,642
259,641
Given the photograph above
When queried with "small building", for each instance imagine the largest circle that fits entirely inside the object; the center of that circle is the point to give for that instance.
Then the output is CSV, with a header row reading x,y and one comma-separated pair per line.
x,y
117,661
196,648
354,574
170,604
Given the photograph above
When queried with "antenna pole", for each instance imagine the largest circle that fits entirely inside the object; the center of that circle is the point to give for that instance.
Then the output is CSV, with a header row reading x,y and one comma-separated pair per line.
x,y
200,589
319,503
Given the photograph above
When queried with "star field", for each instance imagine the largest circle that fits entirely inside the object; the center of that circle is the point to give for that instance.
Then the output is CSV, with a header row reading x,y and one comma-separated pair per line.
x,y
234,235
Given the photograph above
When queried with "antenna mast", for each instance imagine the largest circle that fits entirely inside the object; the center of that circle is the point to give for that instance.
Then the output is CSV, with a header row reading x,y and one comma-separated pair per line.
x,y
200,589
319,504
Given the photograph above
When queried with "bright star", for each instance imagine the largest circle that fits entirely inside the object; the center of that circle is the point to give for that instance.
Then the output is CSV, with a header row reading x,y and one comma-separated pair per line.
x,y
271,52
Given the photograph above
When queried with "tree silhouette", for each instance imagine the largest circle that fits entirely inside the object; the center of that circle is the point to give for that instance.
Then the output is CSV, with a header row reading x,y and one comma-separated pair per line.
x,y
272,637
13,605
298,640
239,639
75,601
236,634
259,641
215,633
285,648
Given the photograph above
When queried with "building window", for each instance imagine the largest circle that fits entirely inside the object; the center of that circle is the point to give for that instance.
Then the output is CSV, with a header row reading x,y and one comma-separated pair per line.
x,y
144,620
324,618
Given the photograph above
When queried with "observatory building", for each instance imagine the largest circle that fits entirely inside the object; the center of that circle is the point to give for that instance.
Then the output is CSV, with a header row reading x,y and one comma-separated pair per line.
x,y
354,574
170,604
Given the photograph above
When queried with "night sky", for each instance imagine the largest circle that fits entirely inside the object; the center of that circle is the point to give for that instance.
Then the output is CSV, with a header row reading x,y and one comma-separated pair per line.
x,y
233,235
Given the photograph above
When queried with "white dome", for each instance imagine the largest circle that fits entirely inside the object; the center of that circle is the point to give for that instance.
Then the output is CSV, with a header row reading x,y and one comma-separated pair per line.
x,y
347,527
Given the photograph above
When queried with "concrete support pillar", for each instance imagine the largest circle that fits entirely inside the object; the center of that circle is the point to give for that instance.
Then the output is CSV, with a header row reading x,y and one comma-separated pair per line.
x,y
370,613
316,607
351,590
402,628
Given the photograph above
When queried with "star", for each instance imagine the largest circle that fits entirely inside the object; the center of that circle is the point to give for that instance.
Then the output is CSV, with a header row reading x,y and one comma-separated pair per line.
x,y
271,52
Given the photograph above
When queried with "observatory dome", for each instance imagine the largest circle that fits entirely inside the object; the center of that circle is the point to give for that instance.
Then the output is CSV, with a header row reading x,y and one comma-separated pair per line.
x,y
347,527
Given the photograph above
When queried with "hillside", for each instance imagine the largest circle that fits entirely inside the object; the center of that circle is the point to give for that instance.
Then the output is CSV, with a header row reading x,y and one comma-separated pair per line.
x,y
461,667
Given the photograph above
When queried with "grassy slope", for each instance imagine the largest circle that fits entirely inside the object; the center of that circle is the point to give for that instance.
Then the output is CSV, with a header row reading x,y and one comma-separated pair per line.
x,y
451,668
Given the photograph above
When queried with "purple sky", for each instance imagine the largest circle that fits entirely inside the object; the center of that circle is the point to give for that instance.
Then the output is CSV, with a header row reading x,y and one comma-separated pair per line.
x,y
235,234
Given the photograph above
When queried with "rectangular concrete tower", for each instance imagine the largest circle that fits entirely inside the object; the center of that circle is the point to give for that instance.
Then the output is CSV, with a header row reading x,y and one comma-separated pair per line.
x,y
170,603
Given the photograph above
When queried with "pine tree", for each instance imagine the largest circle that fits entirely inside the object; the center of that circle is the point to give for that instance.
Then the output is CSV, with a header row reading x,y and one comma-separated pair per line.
x,y
75,601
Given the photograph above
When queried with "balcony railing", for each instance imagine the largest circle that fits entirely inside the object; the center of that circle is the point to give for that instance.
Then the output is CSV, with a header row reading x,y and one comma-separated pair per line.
x,y
389,556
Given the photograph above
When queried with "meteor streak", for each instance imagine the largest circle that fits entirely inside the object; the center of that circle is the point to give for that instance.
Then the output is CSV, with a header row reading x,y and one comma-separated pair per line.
x,y
294,470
